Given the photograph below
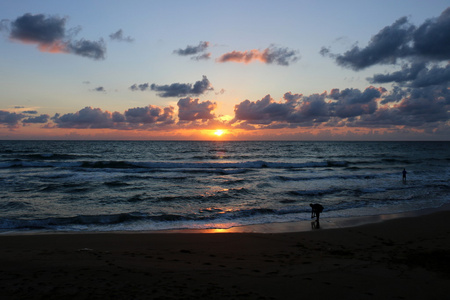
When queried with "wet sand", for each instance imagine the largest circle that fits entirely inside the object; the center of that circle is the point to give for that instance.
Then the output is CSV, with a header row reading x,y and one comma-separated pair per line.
x,y
401,258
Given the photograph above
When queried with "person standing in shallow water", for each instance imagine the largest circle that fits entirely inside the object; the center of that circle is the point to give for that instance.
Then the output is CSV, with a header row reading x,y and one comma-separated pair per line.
x,y
316,210
404,174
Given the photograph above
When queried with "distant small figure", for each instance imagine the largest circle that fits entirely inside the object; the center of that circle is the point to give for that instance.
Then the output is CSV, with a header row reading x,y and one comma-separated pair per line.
x,y
316,210
404,174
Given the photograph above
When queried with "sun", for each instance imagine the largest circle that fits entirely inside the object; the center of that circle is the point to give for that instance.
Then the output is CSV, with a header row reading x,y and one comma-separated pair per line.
x,y
219,132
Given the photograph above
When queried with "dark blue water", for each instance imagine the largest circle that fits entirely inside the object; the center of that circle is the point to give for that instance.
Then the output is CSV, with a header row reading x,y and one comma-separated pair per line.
x,y
109,185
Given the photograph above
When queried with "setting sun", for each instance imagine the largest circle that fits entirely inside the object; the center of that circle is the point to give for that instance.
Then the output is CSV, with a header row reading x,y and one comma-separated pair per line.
x,y
219,132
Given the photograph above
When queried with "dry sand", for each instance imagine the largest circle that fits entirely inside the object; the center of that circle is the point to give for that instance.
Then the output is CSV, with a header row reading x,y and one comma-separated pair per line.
x,y
404,258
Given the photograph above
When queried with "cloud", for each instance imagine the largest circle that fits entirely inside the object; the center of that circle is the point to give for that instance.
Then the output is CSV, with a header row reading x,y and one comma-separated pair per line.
x,y
353,102
271,55
401,40
194,50
419,108
385,47
10,119
30,112
38,29
420,97
430,104
416,75
395,95
432,38
50,35
39,119
140,87
408,72
150,115
299,110
87,117
203,56
91,49
99,89
118,36
176,89
133,118
190,109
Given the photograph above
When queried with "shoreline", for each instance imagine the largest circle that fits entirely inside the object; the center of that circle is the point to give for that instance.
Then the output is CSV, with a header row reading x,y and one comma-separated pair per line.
x,y
400,258
305,226
265,228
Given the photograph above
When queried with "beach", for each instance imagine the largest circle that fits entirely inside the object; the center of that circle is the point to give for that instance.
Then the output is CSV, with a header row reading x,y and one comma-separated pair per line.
x,y
400,258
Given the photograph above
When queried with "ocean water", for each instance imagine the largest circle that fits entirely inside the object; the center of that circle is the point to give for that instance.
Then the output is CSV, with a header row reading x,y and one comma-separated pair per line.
x,y
152,185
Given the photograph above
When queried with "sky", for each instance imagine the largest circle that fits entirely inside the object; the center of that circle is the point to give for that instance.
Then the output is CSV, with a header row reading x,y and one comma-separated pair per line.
x,y
225,70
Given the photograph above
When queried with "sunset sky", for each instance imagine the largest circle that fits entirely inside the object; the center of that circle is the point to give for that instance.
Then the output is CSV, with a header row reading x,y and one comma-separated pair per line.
x,y
257,70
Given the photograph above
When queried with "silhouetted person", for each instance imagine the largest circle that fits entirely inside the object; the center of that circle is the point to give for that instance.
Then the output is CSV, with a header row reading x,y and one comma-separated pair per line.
x,y
404,175
316,210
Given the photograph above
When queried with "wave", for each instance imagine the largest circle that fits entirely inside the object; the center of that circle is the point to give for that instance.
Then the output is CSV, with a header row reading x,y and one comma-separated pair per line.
x,y
258,164
315,192
360,176
137,220
209,197
54,156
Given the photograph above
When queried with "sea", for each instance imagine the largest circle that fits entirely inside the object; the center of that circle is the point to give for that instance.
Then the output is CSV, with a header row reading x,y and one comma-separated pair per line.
x,y
97,186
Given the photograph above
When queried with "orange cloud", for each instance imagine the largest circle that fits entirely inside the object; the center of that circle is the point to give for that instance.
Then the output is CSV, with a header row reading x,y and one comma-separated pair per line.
x,y
271,55
244,56
55,47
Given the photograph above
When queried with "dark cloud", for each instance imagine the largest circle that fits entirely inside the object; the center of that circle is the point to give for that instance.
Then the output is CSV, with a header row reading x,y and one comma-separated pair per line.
x,y
39,119
416,75
280,56
418,107
432,38
408,72
194,50
150,115
50,35
353,102
401,40
264,111
292,98
395,95
299,110
183,89
203,56
87,117
99,89
420,96
10,119
133,118
311,110
271,55
190,109
434,76
140,87
430,104
91,49
118,36
391,43
38,28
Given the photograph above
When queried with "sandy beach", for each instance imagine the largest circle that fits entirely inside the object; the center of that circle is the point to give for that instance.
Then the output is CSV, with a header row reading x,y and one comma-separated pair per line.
x,y
401,258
